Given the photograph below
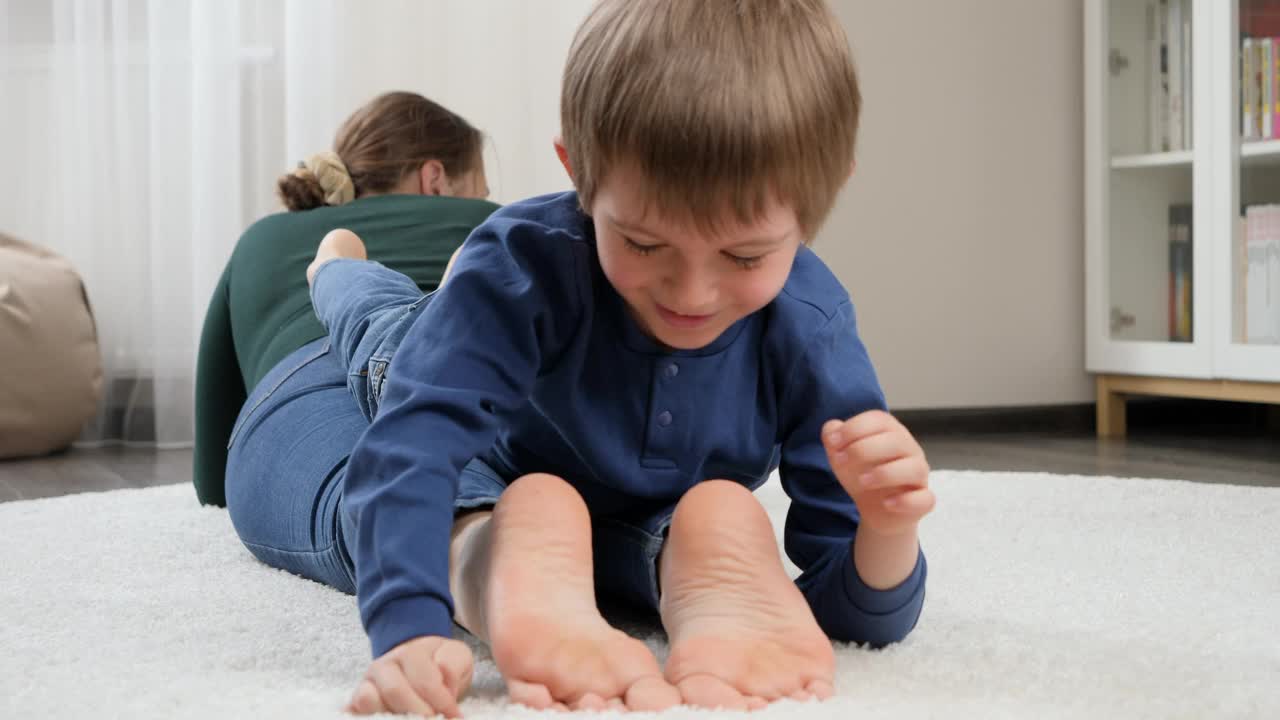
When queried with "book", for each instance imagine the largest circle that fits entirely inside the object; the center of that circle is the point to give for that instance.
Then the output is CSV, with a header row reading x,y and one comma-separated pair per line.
x,y
1187,105
1266,79
1239,280
1259,18
1262,274
1248,111
1271,243
1159,33
1255,89
1180,273
1275,88
1187,74
1173,61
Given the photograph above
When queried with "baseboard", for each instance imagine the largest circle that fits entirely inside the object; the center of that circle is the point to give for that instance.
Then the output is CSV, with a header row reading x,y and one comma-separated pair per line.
x,y
1076,418
1079,418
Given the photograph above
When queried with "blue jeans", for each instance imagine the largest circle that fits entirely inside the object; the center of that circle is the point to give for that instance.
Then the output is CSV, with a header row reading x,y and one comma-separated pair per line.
x,y
287,456
287,460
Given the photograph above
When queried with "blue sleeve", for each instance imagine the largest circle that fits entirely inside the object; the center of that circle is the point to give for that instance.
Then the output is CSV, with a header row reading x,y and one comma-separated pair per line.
x,y
833,378
468,362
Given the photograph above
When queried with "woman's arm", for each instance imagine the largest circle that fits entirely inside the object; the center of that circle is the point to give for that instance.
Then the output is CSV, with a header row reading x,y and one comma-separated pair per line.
x,y
219,394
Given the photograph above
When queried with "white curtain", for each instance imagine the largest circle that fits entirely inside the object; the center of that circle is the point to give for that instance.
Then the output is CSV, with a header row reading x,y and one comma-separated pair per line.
x,y
140,137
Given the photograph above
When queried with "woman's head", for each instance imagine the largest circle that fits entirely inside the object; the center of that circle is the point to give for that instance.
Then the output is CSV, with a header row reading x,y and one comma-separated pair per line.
x,y
398,142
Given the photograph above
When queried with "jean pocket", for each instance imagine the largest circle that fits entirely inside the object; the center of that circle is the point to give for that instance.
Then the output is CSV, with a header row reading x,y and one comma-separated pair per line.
x,y
370,384
373,384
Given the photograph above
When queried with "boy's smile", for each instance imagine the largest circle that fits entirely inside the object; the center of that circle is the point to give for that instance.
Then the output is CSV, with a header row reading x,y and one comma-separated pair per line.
x,y
687,322
684,284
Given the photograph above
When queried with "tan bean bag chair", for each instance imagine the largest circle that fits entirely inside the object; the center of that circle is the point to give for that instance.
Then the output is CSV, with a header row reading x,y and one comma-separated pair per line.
x,y
50,367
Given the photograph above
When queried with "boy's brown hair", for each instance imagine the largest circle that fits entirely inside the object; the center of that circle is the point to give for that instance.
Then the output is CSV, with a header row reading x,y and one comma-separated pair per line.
x,y
720,104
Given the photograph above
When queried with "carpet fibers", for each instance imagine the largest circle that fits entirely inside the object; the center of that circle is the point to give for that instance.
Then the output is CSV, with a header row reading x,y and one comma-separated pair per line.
x,y
1049,596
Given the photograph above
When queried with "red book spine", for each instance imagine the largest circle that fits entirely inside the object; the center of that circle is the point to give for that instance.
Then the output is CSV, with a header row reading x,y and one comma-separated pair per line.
x,y
1260,18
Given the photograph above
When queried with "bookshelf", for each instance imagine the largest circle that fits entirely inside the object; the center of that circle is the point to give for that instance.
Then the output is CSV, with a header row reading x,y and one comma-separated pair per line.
x,y
1182,201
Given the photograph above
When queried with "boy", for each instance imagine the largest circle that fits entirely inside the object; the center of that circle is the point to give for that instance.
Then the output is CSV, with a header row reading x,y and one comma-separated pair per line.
x,y
591,396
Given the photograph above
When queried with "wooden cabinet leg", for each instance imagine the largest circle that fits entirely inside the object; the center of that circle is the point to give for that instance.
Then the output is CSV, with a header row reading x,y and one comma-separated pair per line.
x,y
1111,416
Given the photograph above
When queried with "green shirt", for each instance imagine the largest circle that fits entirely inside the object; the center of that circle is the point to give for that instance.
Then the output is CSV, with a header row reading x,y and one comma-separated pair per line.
x,y
261,308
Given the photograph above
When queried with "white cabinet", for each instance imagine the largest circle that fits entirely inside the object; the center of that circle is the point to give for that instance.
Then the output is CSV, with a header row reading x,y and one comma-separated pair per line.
x,y
1182,134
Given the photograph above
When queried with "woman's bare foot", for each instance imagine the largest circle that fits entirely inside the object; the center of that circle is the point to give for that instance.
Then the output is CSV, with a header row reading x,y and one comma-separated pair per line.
x,y
540,616
741,633
340,243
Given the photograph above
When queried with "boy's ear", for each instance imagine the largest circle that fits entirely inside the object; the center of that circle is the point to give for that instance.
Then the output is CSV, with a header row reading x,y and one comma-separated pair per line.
x,y
432,179
563,155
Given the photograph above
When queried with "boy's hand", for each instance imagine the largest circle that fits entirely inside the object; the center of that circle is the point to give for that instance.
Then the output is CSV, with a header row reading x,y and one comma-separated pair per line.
x,y
423,676
883,469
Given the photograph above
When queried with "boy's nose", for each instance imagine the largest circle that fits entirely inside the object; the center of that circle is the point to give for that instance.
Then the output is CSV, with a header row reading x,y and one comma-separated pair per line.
x,y
692,293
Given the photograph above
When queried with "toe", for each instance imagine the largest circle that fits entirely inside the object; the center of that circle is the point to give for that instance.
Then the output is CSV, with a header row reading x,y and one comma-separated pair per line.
x,y
821,689
708,691
589,701
652,693
756,703
535,696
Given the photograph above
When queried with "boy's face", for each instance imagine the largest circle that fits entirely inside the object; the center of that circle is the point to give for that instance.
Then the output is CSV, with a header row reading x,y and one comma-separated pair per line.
x,y
685,286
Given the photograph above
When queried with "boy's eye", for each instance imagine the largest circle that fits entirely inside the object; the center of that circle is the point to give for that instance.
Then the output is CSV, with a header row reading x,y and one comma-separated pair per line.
x,y
638,248
745,262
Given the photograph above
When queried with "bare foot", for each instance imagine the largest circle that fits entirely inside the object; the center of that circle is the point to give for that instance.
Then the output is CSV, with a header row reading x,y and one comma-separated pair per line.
x,y
340,243
546,633
741,633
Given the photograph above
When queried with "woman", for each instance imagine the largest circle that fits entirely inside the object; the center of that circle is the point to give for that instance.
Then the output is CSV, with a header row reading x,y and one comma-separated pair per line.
x,y
275,418
407,175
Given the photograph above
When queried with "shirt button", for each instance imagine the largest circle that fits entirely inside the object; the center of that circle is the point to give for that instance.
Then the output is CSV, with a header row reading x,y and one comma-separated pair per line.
x,y
664,418
672,370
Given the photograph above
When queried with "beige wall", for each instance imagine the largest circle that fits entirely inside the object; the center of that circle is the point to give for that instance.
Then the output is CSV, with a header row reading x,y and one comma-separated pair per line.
x,y
498,65
960,236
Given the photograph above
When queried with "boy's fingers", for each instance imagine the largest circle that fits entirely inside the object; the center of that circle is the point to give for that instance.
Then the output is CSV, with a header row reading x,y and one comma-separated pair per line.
x,y
842,449
395,690
911,470
838,433
873,451
918,502
428,683
365,700
455,663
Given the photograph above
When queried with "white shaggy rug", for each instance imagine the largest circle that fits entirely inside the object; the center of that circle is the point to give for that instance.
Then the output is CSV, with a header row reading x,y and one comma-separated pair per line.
x,y
1048,596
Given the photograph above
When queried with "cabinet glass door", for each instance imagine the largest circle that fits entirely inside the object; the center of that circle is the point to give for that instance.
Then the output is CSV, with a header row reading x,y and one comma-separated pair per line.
x,y
1151,280
1255,251
1247,261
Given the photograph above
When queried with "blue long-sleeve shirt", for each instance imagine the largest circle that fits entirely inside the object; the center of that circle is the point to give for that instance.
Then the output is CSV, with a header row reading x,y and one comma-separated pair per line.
x,y
529,353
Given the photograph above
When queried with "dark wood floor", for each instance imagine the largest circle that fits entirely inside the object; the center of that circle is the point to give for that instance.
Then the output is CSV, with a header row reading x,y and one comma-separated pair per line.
x,y
1183,440
92,470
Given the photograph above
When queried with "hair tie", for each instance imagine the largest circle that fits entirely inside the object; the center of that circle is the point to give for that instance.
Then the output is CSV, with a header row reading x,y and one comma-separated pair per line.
x,y
334,179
